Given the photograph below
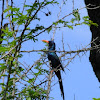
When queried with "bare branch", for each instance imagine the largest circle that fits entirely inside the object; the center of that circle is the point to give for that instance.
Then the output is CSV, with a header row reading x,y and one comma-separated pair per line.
x,y
49,84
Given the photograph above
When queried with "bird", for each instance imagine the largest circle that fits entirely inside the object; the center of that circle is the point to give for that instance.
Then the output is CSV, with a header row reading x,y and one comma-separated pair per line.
x,y
55,63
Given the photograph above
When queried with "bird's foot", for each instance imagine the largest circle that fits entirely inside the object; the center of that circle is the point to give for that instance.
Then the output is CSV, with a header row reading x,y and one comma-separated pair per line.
x,y
52,71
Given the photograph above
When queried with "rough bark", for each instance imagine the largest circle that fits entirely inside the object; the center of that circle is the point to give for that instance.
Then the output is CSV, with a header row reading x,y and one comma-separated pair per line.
x,y
94,14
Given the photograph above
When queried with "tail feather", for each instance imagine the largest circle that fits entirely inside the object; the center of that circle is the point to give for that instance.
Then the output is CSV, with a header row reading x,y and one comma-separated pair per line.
x,y
58,74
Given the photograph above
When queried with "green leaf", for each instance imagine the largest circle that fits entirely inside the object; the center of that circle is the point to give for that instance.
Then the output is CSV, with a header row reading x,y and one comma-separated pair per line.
x,y
76,15
95,24
69,26
2,67
85,17
3,49
14,9
31,80
89,22
51,2
72,20
29,98
61,21
49,29
2,84
15,19
8,33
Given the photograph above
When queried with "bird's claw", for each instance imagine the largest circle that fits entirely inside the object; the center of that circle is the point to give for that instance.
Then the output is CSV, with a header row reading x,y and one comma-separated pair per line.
x,y
52,71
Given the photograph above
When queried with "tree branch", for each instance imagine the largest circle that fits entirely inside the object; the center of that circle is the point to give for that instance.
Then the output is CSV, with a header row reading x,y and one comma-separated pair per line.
x,y
49,84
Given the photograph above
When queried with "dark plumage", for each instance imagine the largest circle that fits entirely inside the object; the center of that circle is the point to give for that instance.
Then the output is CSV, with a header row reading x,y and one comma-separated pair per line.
x,y
55,63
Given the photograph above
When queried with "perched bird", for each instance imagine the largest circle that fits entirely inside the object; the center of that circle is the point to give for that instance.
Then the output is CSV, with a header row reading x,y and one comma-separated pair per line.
x,y
55,63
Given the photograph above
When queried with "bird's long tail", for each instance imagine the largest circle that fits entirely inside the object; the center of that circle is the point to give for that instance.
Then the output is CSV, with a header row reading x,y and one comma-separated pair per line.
x,y
58,74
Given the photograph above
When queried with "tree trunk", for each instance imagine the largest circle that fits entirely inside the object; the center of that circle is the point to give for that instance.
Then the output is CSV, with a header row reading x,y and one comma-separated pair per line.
x,y
94,14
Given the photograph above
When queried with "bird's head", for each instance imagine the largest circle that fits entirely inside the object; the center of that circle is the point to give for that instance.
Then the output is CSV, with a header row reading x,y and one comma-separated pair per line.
x,y
51,44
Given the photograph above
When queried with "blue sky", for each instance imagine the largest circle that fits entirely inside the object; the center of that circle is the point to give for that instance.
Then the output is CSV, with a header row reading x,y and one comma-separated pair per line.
x,y
80,81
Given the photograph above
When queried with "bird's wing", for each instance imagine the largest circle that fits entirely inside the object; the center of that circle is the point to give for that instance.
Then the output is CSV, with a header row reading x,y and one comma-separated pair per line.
x,y
58,61
55,59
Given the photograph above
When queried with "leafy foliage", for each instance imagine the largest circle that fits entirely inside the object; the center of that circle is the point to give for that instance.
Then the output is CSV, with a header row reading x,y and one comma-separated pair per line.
x,y
23,26
96,99
89,22
12,70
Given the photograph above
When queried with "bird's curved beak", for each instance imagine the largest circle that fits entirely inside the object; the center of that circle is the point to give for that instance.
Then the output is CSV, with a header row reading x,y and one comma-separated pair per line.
x,y
45,41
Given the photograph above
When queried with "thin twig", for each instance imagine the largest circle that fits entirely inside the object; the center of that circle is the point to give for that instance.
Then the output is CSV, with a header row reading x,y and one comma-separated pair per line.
x,y
65,52
9,17
29,69
73,4
58,19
